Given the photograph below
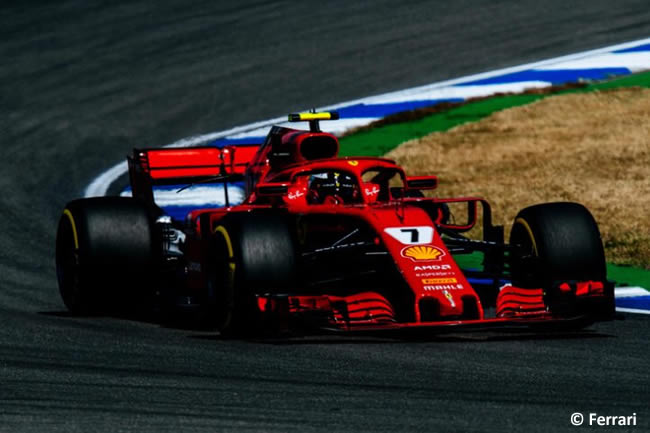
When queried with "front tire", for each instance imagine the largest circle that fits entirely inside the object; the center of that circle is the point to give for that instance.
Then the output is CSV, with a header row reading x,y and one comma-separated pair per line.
x,y
557,242
253,254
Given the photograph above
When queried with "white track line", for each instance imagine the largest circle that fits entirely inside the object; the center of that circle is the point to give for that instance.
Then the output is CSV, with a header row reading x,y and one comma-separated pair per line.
x,y
100,185
632,310
206,195
630,292
633,61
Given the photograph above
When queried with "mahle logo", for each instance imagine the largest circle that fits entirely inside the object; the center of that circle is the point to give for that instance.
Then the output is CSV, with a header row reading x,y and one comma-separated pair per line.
x,y
423,253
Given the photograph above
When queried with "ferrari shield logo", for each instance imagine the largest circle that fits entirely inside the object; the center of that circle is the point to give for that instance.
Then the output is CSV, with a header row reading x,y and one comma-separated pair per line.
x,y
450,298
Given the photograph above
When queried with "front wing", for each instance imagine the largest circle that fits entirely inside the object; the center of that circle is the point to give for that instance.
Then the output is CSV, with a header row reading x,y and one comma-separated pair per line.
x,y
567,305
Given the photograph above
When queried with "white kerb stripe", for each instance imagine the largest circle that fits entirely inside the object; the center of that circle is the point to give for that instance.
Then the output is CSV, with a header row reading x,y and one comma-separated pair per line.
x,y
100,185
632,310
630,292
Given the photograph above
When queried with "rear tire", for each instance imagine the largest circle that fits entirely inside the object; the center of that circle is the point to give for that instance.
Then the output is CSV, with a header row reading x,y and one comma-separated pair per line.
x,y
253,254
104,254
558,242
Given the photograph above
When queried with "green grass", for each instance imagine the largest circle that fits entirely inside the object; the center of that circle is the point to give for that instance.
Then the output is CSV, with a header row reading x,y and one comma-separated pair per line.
x,y
635,80
470,261
628,276
381,140
622,275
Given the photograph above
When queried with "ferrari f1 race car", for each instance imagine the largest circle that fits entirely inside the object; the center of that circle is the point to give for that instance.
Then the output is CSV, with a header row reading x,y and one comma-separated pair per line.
x,y
321,242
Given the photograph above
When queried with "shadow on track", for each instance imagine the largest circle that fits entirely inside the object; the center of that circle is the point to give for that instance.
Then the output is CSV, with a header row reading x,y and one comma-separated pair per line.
x,y
476,337
202,331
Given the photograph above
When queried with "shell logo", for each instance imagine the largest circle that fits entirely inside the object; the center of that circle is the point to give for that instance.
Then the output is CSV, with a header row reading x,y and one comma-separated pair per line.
x,y
353,163
423,253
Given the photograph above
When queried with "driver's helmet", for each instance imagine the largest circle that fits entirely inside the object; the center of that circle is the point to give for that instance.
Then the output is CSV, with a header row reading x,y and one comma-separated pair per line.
x,y
333,187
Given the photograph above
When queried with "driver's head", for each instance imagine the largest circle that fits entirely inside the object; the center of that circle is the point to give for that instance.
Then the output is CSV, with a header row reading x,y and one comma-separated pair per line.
x,y
339,187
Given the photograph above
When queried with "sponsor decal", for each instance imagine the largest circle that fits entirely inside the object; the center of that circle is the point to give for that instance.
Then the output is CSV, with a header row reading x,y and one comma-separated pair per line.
x,y
436,287
439,280
450,298
294,195
431,267
433,274
353,163
415,235
371,191
423,253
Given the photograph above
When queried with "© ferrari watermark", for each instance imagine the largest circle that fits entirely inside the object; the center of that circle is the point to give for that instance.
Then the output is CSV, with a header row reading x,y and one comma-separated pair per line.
x,y
594,419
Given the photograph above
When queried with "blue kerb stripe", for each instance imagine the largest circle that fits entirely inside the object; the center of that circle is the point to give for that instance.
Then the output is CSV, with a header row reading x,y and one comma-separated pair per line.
x,y
640,303
382,110
216,185
645,47
179,212
486,281
222,142
555,76
175,187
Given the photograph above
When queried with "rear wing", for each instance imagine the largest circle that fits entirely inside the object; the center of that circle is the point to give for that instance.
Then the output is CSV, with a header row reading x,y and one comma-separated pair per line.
x,y
188,165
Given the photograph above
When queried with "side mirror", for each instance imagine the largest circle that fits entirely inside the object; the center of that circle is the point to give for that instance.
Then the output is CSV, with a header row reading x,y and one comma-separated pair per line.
x,y
463,213
272,189
421,182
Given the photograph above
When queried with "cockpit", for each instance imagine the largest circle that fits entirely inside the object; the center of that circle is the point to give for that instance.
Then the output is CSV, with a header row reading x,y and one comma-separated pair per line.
x,y
334,186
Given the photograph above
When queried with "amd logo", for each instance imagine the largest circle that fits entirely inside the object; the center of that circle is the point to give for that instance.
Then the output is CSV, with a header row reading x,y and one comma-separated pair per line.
x,y
431,267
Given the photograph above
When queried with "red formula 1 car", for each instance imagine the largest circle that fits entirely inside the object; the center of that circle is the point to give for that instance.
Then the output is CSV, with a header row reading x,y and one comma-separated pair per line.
x,y
325,242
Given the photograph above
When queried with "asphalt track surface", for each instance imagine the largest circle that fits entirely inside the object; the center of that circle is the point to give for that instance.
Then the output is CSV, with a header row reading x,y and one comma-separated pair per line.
x,y
85,81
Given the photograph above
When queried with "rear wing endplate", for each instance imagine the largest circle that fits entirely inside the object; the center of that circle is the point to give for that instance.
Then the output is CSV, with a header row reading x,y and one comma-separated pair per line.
x,y
189,165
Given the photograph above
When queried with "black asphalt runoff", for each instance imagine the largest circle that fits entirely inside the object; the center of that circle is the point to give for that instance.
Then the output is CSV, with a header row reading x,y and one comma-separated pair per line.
x,y
83,82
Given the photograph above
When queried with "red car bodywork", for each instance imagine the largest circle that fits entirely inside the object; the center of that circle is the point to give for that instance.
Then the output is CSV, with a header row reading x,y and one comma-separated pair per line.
x,y
407,229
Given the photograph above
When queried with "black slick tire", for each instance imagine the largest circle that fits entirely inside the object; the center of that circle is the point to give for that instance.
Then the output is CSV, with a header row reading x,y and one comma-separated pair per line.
x,y
557,242
253,254
104,253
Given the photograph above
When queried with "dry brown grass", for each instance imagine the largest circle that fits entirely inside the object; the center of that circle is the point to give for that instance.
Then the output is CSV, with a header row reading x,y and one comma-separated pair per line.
x,y
593,148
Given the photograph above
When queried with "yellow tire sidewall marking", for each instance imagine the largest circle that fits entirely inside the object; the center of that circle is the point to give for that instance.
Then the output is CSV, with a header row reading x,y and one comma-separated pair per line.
x,y
231,253
231,270
524,223
75,236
